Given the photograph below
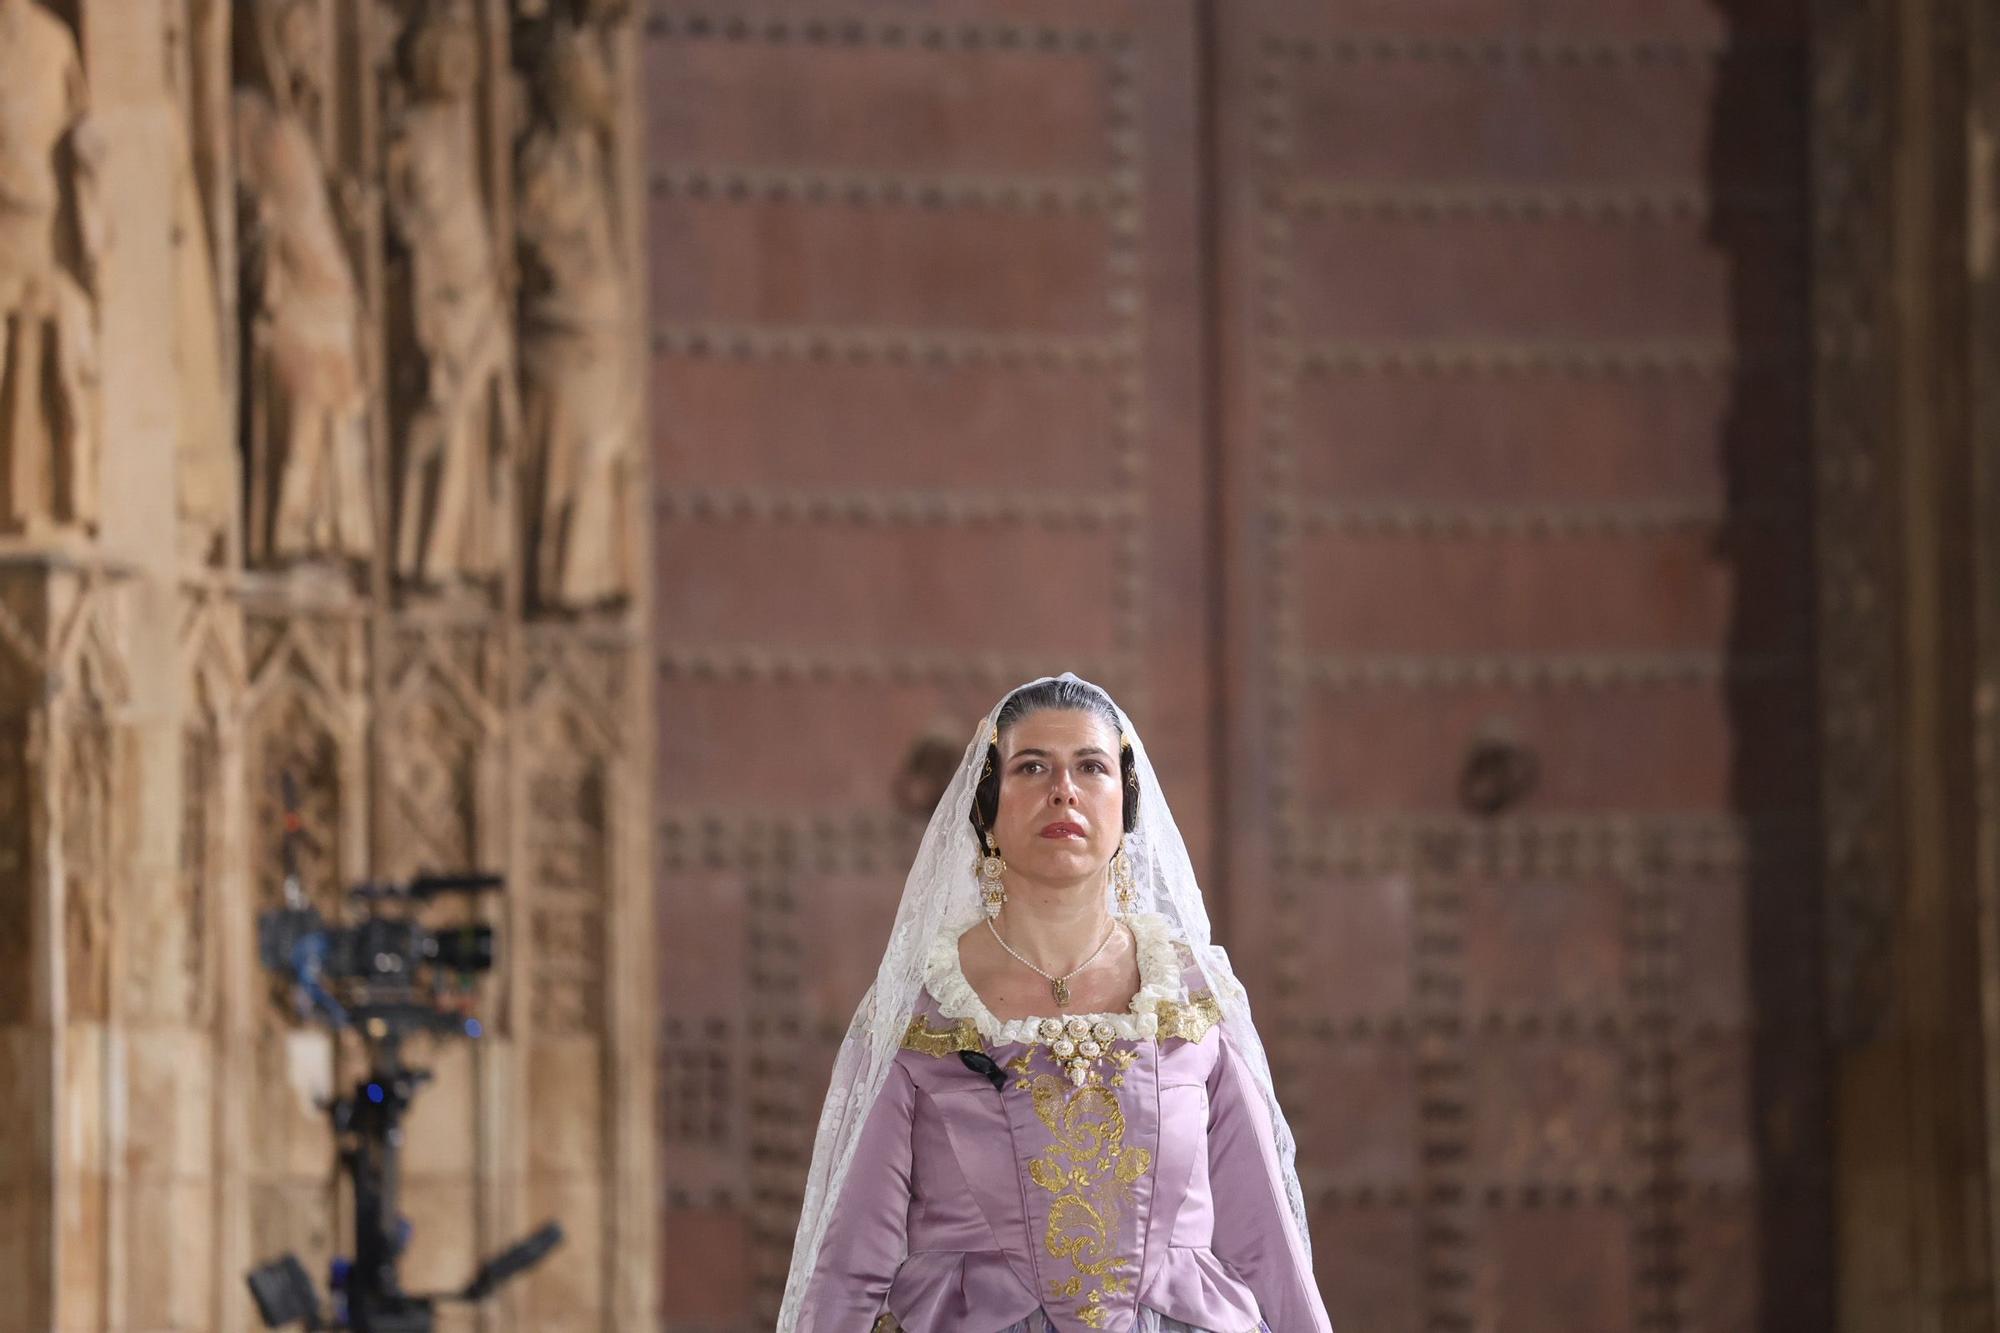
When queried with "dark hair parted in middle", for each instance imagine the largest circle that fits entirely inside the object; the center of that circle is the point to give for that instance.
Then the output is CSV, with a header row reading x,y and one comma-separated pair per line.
x,y
1041,697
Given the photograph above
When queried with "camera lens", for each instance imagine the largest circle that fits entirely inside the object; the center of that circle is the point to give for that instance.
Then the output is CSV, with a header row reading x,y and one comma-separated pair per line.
x,y
464,948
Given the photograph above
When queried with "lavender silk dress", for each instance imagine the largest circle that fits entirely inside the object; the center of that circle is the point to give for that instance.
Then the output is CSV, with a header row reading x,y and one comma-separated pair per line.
x,y
1120,1178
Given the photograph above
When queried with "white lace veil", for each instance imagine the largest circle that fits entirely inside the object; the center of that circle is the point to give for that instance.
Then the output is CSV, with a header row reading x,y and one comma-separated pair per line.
x,y
942,893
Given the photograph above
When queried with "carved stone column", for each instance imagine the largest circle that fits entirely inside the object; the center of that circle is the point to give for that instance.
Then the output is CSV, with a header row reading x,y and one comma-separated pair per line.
x,y
1982,38
67,709
111,1194
1904,297
579,713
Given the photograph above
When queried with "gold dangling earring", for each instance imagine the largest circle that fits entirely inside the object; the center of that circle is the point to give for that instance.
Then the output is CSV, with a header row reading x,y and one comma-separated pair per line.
x,y
1122,880
992,889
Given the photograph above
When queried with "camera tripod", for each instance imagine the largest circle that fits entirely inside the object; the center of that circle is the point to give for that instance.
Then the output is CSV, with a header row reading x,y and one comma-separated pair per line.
x,y
367,1291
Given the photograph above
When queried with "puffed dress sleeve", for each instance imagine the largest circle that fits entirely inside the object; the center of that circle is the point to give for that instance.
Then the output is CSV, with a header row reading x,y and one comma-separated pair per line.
x,y
1254,1231
867,1236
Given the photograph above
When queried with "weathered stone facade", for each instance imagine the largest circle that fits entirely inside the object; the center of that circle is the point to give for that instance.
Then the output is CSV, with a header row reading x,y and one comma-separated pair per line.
x,y
275,485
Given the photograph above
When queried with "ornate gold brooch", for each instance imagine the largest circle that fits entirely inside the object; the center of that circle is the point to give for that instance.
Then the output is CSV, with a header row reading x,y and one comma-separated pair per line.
x,y
1076,1044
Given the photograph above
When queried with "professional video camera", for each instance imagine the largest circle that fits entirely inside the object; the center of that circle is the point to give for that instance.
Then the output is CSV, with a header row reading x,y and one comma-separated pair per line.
x,y
384,977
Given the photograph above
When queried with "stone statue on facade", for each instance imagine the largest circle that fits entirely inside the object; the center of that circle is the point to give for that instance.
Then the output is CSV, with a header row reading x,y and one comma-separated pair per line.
x,y
456,438
580,407
50,243
306,385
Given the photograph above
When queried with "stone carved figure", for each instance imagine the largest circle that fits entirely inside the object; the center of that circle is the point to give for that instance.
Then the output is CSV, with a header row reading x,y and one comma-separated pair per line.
x,y
50,242
579,405
308,398
458,436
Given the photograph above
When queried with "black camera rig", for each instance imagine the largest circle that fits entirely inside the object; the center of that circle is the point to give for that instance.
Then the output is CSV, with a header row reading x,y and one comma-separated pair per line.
x,y
385,977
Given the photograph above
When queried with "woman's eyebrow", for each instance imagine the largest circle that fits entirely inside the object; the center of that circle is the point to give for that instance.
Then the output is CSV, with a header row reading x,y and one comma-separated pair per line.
x,y
1085,752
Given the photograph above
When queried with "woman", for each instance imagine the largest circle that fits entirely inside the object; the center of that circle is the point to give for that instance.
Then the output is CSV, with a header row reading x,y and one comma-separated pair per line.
x,y
1052,1112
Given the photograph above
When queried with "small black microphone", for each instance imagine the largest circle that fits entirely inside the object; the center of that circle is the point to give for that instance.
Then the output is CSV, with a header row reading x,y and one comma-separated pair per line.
x,y
979,1062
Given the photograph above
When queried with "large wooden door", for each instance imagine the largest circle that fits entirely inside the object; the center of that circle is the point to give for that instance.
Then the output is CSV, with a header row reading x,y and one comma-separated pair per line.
x,y
1403,414
928,408
1517,612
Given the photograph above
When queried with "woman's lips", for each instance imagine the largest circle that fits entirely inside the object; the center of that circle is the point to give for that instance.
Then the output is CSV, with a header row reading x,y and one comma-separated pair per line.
x,y
1062,831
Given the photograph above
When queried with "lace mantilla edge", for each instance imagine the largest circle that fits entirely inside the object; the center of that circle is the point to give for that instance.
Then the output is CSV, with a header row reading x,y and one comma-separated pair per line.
x,y
1159,983
1156,1011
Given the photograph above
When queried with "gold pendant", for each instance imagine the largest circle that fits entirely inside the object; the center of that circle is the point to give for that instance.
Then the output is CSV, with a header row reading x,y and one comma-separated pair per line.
x,y
1061,988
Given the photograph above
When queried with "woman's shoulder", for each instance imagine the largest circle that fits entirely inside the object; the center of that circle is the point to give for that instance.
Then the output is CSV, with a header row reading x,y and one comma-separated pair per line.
x,y
931,1031
1206,965
1162,942
1158,931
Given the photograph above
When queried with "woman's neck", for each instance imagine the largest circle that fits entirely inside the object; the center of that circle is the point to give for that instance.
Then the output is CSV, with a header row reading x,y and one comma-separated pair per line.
x,y
1056,926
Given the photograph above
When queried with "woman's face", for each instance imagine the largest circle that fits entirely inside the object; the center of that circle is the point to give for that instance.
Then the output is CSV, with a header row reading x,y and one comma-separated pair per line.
x,y
1061,810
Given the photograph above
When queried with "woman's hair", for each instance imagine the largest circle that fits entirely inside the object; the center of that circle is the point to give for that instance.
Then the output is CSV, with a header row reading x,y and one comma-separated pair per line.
x,y
1042,697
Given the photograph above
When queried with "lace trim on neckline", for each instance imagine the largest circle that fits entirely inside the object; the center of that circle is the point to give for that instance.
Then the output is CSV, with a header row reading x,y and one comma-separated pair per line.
x,y
1159,980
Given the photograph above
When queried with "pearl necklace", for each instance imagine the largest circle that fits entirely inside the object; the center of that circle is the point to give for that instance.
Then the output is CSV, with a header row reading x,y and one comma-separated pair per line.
x,y
1058,985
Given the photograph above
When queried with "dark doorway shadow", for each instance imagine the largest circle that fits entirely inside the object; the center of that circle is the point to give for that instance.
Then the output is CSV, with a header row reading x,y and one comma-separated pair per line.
x,y
1759,218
